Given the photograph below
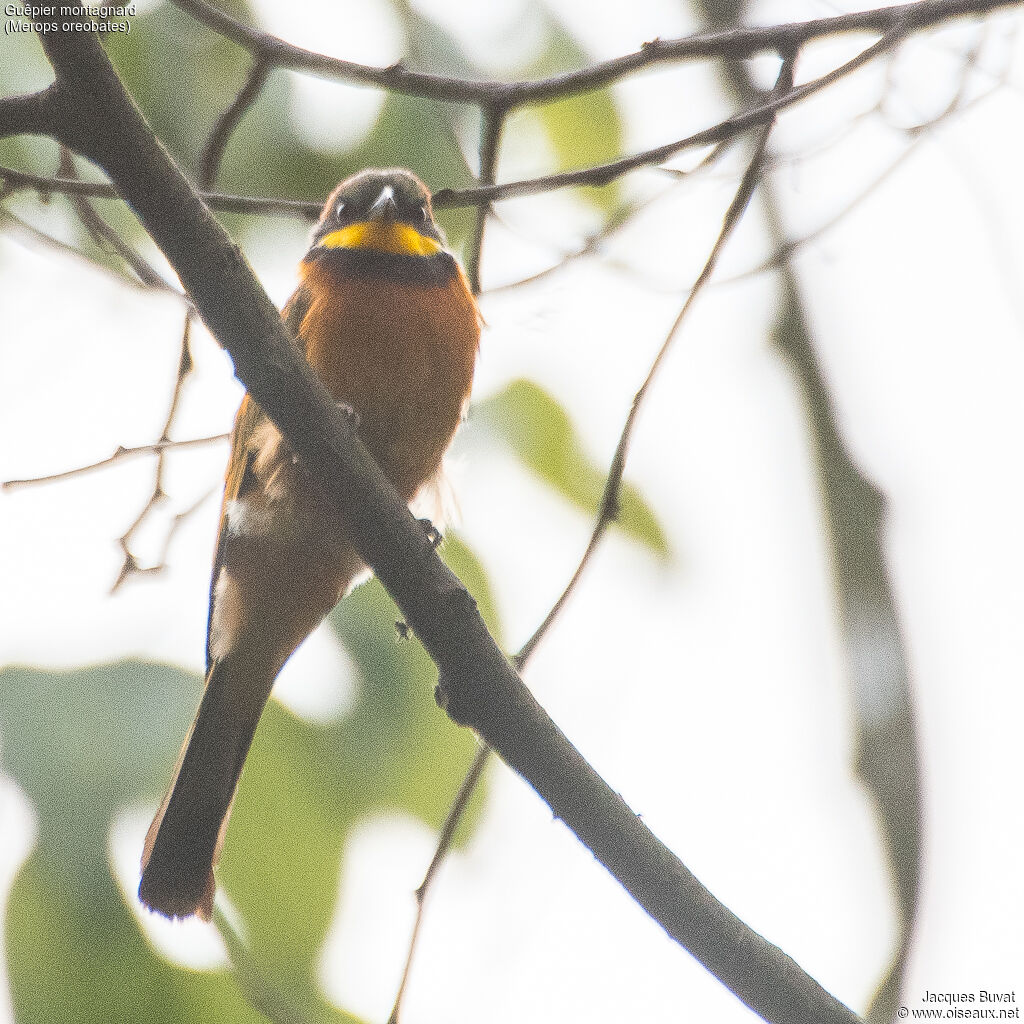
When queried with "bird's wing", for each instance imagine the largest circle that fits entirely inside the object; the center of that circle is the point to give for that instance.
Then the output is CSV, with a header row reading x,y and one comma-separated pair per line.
x,y
240,479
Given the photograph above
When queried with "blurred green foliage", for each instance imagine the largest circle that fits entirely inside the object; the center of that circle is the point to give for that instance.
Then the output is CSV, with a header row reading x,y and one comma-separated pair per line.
x,y
84,744
583,130
180,74
81,745
536,429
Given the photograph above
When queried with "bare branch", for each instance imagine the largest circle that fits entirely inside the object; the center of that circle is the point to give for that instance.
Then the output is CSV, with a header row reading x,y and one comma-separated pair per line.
x,y
29,114
615,222
130,566
19,181
33,234
277,1004
491,121
786,249
602,174
106,237
734,44
119,454
443,845
220,135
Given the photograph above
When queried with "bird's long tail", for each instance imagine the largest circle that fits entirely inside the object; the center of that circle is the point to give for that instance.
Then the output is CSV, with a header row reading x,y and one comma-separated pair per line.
x,y
184,841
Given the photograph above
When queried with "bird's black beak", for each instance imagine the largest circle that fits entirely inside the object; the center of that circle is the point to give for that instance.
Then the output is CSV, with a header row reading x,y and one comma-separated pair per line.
x,y
384,207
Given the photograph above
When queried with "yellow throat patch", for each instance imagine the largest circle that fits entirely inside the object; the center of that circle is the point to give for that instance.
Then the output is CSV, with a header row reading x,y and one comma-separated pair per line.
x,y
380,236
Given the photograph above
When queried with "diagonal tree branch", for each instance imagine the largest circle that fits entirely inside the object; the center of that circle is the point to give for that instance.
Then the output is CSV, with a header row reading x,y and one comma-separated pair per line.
x,y
93,115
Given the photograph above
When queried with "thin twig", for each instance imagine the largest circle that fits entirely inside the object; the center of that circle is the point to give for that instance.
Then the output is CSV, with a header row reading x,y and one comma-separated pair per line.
x,y
217,141
737,124
784,252
42,238
958,100
614,223
443,845
210,159
130,564
105,236
209,164
19,181
120,454
609,505
492,119
259,985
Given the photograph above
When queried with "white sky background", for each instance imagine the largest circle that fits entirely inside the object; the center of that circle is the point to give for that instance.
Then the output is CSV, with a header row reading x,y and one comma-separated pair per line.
x,y
710,693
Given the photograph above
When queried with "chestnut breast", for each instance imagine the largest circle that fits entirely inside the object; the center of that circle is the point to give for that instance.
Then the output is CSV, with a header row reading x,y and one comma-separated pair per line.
x,y
401,354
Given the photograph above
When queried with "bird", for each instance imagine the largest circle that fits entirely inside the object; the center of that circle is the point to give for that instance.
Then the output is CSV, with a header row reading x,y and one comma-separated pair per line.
x,y
385,316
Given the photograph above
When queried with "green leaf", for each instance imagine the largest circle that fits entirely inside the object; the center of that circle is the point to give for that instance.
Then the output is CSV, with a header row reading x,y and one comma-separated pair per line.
x,y
583,130
81,744
535,428
79,956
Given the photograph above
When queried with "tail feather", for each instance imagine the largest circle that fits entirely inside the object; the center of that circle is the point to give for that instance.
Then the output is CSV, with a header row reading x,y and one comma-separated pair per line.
x,y
185,838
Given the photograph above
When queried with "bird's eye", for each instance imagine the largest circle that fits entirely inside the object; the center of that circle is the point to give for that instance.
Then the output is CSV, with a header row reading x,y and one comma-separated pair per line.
x,y
423,215
338,209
